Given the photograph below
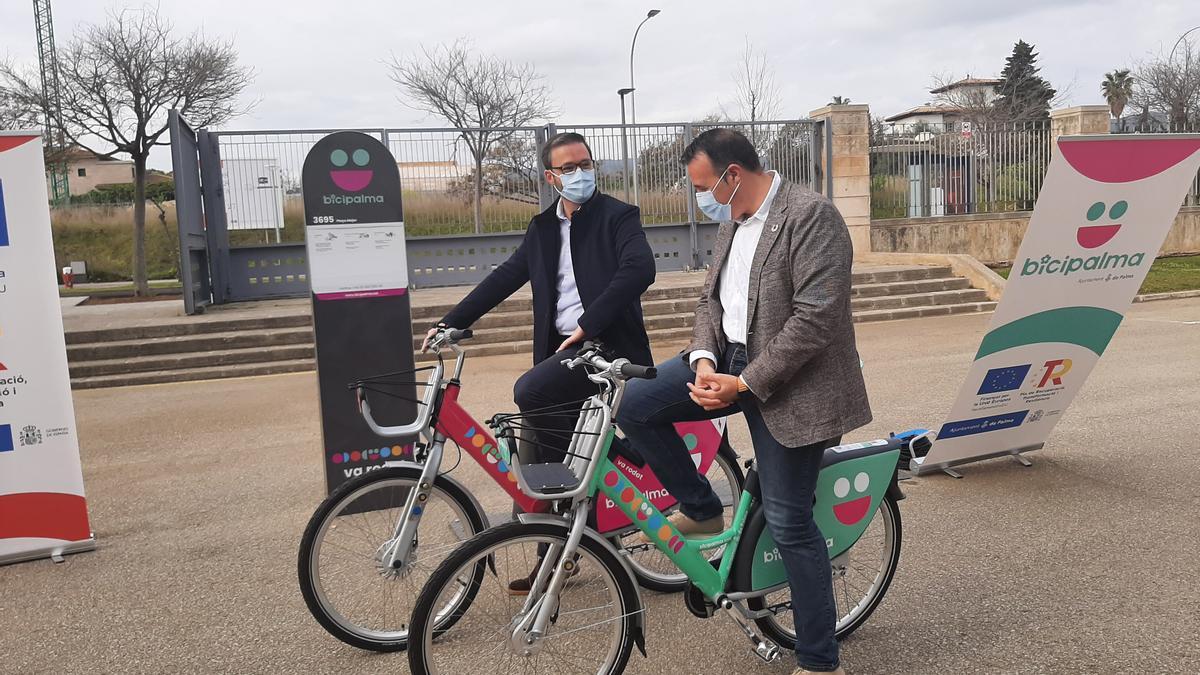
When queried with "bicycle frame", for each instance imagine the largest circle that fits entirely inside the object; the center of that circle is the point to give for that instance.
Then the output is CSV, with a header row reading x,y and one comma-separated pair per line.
x,y
456,423
687,554
848,492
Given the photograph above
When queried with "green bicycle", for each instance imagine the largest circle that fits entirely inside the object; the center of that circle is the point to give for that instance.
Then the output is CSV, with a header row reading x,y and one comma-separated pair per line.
x,y
585,612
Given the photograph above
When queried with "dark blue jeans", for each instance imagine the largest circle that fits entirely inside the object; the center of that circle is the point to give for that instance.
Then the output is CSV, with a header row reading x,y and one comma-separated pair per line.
x,y
787,476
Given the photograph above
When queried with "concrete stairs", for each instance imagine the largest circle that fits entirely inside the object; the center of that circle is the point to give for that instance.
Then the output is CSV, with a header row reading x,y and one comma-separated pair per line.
x,y
177,351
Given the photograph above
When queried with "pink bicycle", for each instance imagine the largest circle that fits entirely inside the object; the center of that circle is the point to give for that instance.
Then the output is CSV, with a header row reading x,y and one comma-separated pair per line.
x,y
372,544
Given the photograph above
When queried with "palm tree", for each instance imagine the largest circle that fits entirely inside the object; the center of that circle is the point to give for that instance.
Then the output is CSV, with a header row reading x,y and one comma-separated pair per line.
x,y
840,100
1117,88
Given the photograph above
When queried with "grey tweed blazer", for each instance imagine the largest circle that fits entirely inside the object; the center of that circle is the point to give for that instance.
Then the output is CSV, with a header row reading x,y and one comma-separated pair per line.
x,y
803,363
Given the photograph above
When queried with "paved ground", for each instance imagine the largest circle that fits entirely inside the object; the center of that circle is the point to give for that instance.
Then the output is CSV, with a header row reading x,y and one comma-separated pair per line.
x,y
1084,563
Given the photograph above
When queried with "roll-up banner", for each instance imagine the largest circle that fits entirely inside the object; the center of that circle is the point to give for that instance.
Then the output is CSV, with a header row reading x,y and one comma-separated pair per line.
x,y
1103,213
42,508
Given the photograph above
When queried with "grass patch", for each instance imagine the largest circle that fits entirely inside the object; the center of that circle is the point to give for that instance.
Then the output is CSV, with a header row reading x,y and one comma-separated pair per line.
x,y
1167,275
102,236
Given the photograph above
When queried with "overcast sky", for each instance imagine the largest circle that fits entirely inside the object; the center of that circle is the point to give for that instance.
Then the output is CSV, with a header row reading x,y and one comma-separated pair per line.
x,y
321,64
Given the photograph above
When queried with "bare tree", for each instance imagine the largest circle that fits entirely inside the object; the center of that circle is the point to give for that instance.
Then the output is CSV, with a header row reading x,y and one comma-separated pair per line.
x,y
1170,85
484,96
119,79
755,95
16,113
510,172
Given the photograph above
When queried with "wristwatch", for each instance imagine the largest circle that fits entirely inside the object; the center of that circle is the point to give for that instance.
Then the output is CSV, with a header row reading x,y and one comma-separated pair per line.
x,y
742,386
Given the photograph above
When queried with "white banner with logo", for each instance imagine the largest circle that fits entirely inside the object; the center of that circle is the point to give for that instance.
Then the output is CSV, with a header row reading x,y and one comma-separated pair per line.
x,y
42,508
1104,210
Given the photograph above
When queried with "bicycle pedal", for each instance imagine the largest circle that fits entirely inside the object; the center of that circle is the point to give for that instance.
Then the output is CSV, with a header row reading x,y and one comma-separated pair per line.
x,y
766,651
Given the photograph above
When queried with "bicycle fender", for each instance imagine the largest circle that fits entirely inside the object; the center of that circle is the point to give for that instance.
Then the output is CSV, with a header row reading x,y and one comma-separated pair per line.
x,y
638,613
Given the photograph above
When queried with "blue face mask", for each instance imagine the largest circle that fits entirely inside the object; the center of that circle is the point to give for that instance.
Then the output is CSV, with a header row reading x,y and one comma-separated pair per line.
x,y
578,186
714,209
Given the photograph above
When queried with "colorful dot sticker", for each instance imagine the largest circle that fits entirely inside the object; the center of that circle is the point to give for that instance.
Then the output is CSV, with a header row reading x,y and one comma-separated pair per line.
x,y
611,479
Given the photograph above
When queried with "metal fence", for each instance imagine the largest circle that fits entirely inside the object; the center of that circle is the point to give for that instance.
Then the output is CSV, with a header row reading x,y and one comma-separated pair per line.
x,y
638,163
455,238
956,168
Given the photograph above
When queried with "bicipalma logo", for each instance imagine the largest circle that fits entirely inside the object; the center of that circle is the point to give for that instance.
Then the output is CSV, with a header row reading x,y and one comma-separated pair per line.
x,y
1068,265
351,178
1088,236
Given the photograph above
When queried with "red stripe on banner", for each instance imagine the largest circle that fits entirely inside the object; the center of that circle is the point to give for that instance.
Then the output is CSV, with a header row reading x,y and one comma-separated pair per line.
x,y
50,515
10,142
1125,159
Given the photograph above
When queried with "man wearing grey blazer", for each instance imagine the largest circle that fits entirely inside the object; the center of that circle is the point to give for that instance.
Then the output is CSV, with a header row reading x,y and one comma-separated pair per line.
x,y
774,339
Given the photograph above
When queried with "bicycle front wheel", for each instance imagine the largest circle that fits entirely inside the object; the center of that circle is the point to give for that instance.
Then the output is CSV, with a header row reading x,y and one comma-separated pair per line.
x,y
592,629
860,580
345,584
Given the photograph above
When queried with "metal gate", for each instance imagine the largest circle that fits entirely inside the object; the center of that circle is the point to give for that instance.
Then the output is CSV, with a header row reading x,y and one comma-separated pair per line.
x,y
193,245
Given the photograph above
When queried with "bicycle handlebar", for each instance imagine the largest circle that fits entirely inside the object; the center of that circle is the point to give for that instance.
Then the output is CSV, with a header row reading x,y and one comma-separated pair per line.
x,y
631,370
591,354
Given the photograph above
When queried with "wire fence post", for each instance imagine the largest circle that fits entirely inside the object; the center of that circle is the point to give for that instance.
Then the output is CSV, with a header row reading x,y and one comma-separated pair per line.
x,y
546,193
689,134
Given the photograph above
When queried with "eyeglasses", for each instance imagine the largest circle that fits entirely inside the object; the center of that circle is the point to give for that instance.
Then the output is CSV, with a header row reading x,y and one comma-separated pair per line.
x,y
568,169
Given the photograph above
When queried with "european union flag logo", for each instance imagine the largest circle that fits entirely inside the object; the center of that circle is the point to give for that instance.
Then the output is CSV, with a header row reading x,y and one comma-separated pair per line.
x,y
3,218
6,440
1004,379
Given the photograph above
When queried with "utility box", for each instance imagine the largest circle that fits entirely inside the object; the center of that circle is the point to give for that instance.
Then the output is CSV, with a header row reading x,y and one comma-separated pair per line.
x,y
253,194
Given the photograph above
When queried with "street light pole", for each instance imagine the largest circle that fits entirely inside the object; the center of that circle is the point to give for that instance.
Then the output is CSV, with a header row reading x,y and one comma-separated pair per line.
x,y
1185,34
633,98
624,141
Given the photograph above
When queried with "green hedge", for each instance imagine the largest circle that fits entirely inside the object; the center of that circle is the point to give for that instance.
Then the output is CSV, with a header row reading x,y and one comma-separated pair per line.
x,y
123,194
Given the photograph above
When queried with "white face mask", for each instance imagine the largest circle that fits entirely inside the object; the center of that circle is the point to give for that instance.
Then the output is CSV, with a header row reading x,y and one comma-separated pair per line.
x,y
577,186
714,209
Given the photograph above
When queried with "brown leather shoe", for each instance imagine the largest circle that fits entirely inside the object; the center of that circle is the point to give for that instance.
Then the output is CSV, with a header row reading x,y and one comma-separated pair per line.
x,y
801,671
692,528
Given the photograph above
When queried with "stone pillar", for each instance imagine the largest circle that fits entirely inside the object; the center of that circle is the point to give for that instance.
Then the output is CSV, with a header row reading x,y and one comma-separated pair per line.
x,y
1083,119
850,168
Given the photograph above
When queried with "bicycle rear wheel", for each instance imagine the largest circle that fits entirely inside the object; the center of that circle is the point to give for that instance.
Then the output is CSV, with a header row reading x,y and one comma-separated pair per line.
x,y
859,582
349,591
593,629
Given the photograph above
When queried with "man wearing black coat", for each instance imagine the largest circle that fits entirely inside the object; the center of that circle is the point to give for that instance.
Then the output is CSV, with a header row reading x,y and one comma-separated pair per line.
x,y
588,263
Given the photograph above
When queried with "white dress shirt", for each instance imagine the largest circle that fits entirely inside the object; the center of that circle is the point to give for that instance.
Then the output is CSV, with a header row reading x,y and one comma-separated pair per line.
x,y
734,283
570,306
